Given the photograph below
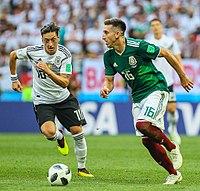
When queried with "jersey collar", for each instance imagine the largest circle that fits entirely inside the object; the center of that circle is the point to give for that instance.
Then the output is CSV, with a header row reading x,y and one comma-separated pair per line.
x,y
123,49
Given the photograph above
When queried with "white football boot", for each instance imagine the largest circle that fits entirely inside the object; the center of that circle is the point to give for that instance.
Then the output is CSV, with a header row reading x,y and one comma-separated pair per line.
x,y
173,179
176,157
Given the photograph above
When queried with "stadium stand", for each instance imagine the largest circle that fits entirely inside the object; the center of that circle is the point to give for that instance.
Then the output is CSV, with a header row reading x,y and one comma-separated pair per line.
x,y
81,24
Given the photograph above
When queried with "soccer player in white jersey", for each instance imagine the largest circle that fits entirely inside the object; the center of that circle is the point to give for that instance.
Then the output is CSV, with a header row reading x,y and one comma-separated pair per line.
x,y
52,69
160,39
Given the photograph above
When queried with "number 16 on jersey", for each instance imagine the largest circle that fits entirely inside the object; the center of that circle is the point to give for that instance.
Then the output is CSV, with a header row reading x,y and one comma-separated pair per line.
x,y
128,75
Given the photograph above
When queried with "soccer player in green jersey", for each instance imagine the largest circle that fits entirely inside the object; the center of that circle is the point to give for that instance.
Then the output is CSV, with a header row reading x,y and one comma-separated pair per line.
x,y
133,60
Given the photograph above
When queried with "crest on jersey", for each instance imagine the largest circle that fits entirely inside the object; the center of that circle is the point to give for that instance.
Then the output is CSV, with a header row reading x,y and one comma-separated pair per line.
x,y
57,60
50,65
132,61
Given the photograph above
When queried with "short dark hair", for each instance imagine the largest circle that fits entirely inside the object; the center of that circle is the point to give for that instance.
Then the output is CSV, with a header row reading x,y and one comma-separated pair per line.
x,y
51,27
116,23
155,19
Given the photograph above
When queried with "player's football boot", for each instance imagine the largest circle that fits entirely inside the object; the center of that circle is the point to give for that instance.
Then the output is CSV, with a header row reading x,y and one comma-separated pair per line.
x,y
174,134
176,157
173,179
84,172
62,145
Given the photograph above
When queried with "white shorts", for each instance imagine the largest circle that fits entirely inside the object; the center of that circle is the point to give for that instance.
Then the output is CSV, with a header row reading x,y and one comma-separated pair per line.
x,y
172,97
151,109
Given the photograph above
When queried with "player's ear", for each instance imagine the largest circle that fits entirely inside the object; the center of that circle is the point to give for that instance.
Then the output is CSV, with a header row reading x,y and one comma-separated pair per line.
x,y
117,34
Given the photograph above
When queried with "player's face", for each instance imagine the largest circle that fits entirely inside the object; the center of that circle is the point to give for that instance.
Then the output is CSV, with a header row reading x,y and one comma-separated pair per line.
x,y
50,41
109,36
156,27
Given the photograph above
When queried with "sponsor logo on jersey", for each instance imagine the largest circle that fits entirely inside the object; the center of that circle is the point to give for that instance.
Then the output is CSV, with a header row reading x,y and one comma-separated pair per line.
x,y
115,64
132,61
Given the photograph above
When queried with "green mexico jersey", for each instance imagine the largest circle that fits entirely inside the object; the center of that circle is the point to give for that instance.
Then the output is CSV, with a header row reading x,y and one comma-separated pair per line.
x,y
135,66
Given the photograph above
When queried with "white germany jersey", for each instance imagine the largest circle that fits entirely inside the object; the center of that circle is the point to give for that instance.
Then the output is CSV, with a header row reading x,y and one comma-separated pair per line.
x,y
161,63
45,90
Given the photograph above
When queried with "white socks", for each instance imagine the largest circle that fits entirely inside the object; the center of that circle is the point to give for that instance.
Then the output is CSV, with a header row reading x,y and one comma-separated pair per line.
x,y
80,146
172,129
172,118
80,149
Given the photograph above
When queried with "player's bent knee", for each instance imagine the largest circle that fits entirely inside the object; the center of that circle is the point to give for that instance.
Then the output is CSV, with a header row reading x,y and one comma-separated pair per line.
x,y
142,125
145,141
171,107
76,130
48,129
49,133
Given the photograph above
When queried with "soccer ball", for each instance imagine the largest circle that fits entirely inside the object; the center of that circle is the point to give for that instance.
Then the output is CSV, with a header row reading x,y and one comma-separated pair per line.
x,y
59,174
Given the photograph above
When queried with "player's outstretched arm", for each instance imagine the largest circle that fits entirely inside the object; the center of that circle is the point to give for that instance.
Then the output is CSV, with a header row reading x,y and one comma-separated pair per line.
x,y
179,58
16,85
186,82
108,86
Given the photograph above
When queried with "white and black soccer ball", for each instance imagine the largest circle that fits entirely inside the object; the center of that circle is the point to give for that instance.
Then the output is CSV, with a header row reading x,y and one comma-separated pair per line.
x,y
59,174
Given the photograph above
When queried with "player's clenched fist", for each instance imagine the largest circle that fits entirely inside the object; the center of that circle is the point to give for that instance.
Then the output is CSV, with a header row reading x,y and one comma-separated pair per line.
x,y
104,92
43,66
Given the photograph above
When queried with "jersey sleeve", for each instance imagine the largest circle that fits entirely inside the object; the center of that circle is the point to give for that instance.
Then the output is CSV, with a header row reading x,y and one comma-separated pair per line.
x,y
109,69
66,67
22,54
148,50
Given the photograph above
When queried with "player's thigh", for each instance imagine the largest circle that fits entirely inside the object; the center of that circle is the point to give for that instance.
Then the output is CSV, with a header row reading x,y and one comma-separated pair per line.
x,y
153,108
70,115
44,113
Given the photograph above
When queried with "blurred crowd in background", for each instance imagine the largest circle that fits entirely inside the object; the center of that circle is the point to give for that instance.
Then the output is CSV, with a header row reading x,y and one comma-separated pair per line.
x,y
81,23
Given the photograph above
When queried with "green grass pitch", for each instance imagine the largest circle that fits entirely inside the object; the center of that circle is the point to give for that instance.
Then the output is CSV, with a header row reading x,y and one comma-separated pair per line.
x,y
119,163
